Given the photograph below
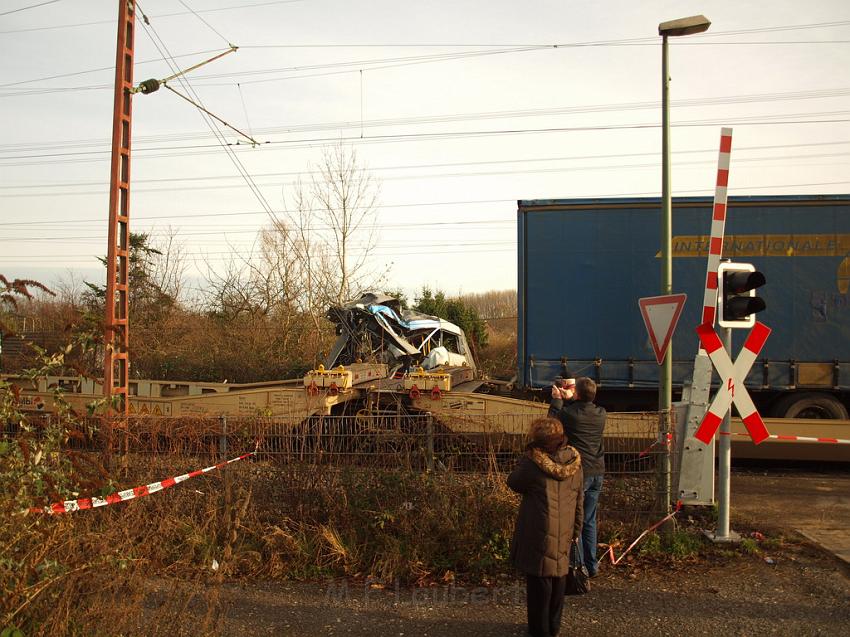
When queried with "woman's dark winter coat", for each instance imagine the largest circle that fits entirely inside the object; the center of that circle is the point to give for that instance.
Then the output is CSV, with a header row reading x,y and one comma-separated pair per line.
x,y
551,513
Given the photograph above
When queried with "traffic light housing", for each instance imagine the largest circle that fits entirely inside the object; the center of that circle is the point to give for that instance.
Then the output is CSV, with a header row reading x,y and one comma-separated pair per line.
x,y
737,303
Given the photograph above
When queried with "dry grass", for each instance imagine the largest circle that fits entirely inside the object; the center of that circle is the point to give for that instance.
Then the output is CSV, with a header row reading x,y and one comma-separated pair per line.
x,y
90,574
498,358
120,569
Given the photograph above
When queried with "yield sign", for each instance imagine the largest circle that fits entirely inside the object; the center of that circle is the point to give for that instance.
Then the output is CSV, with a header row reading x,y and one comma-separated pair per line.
x,y
732,388
660,315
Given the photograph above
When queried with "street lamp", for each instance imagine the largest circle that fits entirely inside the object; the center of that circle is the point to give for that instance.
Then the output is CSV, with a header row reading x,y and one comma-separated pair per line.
x,y
673,28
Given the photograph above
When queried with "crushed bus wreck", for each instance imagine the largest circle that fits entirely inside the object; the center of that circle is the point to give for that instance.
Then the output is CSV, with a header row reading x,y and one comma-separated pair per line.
x,y
374,328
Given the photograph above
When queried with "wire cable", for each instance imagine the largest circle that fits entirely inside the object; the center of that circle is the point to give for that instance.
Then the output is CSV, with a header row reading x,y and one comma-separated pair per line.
x,y
32,6
164,15
212,28
653,193
211,124
512,171
724,100
757,120
245,110
100,69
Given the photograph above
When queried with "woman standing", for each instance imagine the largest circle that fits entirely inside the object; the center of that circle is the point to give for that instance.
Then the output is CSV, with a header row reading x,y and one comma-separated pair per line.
x,y
549,477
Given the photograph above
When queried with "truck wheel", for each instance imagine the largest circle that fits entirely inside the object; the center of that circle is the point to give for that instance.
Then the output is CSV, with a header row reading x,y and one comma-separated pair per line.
x,y
810,405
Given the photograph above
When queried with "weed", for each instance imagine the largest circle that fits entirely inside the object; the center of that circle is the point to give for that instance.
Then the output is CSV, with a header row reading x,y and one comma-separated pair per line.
x,y
678,545
749,546
651,545
683,544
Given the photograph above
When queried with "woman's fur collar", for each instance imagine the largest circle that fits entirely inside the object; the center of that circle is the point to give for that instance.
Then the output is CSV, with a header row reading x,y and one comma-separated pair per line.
x,y
555,468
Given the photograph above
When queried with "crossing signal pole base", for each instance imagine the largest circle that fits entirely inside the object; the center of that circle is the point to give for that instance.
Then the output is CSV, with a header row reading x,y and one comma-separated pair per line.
x,y
732,538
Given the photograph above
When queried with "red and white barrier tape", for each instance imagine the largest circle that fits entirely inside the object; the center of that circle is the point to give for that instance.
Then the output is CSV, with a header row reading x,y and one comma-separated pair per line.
x,y
69,506
660,441
610,552
835,441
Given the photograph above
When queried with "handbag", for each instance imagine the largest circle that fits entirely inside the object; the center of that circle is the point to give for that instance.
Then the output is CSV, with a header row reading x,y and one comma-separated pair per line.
x,y
578,579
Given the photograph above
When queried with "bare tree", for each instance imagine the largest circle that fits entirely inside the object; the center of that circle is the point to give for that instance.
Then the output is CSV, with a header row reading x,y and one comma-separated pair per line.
x,y
168,271
314,265
329,230
345,196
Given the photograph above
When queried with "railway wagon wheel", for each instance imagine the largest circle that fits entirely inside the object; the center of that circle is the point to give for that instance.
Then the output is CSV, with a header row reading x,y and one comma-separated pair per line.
x,y
810,405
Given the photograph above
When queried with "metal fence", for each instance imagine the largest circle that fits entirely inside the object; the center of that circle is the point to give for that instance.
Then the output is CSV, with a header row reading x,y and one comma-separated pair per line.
x,y
421,441
637,458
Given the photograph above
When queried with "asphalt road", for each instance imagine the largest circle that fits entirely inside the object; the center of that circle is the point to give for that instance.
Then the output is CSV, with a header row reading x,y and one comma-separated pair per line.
x,y
816,505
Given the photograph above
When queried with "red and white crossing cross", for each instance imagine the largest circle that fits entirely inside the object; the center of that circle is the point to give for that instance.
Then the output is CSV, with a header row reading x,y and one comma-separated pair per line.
x,y
732,389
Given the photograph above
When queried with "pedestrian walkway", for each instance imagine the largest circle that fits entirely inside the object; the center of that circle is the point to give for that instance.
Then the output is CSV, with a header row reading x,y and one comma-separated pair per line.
x,y
815,505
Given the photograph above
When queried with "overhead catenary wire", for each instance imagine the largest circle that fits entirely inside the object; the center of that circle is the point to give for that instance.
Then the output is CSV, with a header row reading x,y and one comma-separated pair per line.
x,y
212,28
213,115
513,171
757,120
102,68
414,137
245,110
714,34
32,6
254,228
157,41
347,67
361,133
702,191
724,100
489,162
162,15
385,63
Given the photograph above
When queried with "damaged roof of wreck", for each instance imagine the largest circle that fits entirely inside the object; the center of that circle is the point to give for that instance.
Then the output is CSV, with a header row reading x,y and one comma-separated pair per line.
x,y
375,328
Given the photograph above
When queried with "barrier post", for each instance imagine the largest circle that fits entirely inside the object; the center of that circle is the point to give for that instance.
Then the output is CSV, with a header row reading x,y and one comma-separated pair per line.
x,y
724,466
222,438
429,442
663,481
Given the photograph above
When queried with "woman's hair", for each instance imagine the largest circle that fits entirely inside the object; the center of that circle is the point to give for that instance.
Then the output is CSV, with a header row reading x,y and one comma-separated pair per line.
x,y
546,434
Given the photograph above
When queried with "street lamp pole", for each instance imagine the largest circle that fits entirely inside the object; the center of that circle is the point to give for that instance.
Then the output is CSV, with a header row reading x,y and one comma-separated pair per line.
x,y
673,28
665,389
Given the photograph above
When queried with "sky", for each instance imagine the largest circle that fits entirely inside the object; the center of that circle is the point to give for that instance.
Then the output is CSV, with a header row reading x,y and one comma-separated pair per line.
x,y
458,109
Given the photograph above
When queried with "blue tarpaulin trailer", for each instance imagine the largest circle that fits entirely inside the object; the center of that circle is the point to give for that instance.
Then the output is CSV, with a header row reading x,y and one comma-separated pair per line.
x,y
584,263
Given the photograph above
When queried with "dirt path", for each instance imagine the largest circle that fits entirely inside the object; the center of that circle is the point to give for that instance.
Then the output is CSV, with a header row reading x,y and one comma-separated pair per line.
x,y
803,593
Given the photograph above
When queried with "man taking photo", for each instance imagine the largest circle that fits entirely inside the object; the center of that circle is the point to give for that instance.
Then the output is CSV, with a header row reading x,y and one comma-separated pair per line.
x,y
584,423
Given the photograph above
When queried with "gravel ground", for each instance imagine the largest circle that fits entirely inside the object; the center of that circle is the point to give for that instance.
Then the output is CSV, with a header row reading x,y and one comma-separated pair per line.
x,y
803,593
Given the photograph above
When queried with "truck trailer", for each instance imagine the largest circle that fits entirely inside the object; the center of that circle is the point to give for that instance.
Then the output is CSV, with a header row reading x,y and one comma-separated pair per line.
x,y
584,263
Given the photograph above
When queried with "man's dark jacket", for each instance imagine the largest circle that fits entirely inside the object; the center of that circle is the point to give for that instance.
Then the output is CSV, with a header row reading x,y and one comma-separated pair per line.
x,y
583,425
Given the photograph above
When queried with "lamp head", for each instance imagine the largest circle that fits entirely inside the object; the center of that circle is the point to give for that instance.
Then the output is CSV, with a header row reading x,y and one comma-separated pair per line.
x,y
684,26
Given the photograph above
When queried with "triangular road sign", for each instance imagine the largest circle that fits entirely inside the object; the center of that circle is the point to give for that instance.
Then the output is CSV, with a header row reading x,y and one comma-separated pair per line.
x,y
660,315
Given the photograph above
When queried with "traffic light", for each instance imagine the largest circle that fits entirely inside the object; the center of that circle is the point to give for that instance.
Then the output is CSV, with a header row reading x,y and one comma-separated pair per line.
x,y
737,302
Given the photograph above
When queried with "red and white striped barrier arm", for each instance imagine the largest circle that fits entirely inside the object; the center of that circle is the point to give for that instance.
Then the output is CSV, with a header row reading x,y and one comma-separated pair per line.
x,y
718,227
835,441
69,506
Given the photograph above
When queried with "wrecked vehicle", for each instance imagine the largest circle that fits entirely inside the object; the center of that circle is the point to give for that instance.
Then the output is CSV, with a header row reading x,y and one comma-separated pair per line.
x,y
374,328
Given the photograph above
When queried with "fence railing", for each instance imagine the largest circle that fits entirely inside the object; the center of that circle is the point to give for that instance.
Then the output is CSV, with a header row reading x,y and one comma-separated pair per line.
x,y
637,476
